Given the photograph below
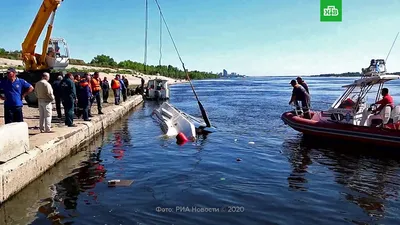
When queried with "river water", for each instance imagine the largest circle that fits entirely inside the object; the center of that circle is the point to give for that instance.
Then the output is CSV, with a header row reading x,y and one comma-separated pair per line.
x,y
252,170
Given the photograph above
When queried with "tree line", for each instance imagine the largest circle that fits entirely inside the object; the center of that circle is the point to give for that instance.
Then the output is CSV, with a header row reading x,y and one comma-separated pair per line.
x,y
109,62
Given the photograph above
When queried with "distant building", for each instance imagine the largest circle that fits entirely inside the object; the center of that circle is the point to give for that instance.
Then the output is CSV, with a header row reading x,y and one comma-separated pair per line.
x,y
224,73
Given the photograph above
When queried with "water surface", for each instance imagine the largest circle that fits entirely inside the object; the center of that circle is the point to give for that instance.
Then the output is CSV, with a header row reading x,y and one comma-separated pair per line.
x,y
283,178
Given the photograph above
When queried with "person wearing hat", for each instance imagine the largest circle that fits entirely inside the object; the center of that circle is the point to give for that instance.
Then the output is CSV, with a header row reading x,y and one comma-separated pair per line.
x,y
300,94
15,89
303,83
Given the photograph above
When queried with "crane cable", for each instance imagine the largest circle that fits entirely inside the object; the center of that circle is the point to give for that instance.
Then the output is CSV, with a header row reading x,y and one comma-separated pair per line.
x,y
159,61
391,47
203,112
145,35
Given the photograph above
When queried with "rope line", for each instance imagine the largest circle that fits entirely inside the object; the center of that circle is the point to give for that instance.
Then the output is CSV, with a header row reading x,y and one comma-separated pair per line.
x,y
176,49
391,47
159,61
203,112
145,35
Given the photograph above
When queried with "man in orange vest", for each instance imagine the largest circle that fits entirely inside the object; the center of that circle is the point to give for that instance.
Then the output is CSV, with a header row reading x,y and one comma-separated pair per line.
x,y
117,85
96,89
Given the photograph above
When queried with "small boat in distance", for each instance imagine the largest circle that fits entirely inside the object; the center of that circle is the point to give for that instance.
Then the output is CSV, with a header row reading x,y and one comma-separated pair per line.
x,y
350,117
174,121
157,89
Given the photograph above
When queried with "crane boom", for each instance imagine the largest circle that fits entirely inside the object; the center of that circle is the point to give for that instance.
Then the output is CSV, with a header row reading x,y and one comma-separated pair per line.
x,y
31,60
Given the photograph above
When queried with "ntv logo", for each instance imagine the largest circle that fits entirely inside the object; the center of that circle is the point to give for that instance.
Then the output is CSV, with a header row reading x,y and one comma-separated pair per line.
x,y
331,10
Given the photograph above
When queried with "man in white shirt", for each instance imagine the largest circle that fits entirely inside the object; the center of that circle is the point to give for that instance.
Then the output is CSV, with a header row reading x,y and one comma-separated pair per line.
x,y
44,93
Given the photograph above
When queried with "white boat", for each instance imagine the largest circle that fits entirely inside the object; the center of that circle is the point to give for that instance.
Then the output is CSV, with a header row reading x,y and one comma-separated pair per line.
x,y
157,89
173,121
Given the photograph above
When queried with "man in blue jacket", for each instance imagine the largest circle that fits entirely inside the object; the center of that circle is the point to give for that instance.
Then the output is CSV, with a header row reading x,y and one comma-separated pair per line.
x,y
15,89
84,97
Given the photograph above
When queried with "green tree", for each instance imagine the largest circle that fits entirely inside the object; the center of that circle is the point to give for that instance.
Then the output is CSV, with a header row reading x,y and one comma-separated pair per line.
x,y
103,60
107,61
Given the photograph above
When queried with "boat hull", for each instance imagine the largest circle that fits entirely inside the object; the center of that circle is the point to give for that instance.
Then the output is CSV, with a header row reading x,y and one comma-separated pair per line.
x,y
373,135
173,122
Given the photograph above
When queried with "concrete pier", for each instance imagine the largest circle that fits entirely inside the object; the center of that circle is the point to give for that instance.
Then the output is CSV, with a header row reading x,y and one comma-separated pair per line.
x,y
46,149
14,140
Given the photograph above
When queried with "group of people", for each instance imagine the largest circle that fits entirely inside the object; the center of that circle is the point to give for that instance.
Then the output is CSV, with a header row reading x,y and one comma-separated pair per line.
x,y
301,94
76,94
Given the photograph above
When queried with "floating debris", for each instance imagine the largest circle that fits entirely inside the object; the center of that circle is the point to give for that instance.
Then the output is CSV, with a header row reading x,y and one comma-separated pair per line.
x,y
222,178
119,183
251,143
238,159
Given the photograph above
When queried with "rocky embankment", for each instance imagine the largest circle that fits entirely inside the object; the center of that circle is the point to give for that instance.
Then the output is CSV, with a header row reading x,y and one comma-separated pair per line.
x,y
134,77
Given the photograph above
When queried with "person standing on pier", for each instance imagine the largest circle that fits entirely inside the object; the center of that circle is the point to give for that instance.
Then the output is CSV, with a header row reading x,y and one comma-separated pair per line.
x,y
123,86
69,98
15,89
116,86
142,85
44,93
126,85
105,86
88,78
77,78
57,95
96,88
84,98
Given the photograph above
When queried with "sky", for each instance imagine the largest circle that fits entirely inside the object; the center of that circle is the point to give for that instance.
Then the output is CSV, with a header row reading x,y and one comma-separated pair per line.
x,y
251,37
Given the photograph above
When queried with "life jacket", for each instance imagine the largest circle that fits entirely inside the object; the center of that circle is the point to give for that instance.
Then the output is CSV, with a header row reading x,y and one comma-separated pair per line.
x,y
83,83
83,91
115,84
96,84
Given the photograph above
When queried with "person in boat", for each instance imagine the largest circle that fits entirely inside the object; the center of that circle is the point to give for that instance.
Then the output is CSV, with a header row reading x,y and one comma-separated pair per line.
x,y
300,94
347,104
387,100
303,83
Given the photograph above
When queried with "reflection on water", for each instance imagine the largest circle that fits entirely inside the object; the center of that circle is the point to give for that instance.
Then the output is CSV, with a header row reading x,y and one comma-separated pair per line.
x,y
371,182
62,206
54,192
64,200
300,160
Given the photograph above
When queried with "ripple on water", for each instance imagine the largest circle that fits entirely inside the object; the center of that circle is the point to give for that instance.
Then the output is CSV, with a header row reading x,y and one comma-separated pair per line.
x,y
283,178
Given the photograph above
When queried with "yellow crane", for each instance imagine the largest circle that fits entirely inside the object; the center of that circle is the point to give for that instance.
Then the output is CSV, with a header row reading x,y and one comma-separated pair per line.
x,y
54,55
51,57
